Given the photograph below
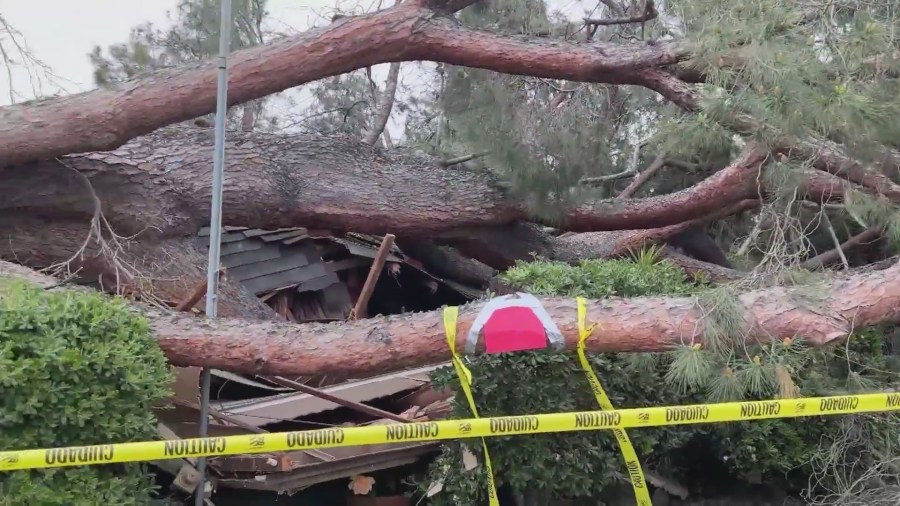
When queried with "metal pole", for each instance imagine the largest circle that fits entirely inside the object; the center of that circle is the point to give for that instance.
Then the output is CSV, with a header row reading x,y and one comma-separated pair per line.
x,y
215,225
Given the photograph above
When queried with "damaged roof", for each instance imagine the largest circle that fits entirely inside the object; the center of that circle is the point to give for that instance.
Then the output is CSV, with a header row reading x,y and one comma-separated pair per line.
x,y
305,276
286,472
267,260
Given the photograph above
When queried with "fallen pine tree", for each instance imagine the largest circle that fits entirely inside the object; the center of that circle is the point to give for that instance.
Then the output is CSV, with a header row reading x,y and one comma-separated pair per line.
x,y
151,183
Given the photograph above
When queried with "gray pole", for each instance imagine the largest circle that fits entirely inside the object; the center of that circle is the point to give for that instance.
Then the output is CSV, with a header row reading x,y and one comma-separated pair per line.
x,y
215,226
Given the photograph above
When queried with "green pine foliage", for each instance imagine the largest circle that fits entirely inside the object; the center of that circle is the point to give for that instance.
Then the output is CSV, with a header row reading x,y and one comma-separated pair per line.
x,y
193,36
556,467
78,369
819,70
342,105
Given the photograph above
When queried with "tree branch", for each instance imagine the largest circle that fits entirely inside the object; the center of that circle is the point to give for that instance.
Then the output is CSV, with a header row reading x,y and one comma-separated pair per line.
x,y
108,118
324,182
658,163
462,159
824,154
384,105
649,13
837,253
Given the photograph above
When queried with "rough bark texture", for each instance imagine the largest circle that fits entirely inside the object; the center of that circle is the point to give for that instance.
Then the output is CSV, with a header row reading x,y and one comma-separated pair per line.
x,y
448,262
156,188
640,324
502,246
824,154
643,177
165,270
822,314
822,259
409,32
158,185
385,104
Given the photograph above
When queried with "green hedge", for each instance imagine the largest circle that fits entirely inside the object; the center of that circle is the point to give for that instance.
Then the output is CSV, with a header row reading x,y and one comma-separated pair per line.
x,y
77,368
552,468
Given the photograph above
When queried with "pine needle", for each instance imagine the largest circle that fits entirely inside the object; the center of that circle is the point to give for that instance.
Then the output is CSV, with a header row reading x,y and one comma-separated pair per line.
x,y
787,389
725,386
723,317
755,378
642,362
690,369
857,383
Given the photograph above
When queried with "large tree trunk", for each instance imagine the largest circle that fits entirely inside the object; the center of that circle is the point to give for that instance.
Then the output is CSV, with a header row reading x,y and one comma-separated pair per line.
x,y
415,30
154,185
156,188
410,32
379,345
158,185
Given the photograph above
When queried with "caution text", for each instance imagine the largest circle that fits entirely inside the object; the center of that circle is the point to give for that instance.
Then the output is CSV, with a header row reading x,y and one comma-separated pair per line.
x,y
594,420
514,424
79,455
315,438
839,403
758,409
181,448
398,432
892,401
687,414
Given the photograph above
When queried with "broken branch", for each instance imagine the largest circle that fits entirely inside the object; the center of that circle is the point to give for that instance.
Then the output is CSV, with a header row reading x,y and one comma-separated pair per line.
x,y
649,13
199,292
838,253
355,406
658,163
359,310
463,159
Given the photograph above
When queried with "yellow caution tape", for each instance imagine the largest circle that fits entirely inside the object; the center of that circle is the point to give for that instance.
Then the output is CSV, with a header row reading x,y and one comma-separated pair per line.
x,y
465,379
447,429
632,464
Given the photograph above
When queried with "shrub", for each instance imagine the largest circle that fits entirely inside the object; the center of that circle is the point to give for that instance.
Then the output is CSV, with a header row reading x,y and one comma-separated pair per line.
x,y
78,369
557,467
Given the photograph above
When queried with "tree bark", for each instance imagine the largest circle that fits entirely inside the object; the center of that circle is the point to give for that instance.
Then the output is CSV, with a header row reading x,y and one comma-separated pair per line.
x,y
380,345
658,163
108,118
501,247
158,186
824,154
640,324
384,106
165,270
413,31
822,259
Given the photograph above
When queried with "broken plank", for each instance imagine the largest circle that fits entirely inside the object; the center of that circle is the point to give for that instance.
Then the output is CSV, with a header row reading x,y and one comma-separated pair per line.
x,y
267,252
286,261
258,231
286,278
284,235
240,246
